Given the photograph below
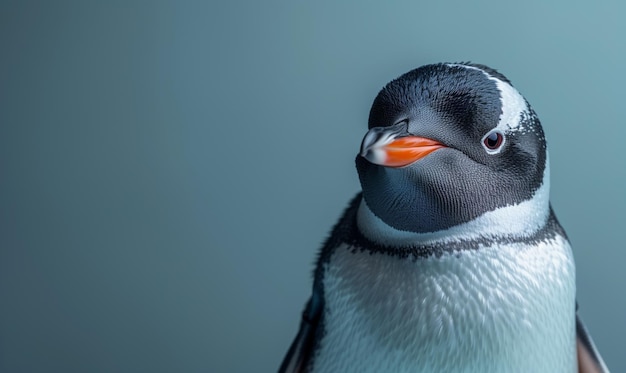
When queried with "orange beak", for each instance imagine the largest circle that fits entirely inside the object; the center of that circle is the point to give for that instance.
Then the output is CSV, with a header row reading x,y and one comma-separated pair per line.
x,y
397,152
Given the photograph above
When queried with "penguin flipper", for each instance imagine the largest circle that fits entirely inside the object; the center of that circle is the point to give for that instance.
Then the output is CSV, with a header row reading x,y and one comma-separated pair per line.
x,y
589,360
298,356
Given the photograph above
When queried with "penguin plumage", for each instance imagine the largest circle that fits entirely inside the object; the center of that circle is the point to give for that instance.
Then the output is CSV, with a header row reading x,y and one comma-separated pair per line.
x,y
451,258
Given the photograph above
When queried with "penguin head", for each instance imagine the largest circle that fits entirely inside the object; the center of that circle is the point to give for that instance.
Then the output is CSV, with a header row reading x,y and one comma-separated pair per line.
x,y
449,144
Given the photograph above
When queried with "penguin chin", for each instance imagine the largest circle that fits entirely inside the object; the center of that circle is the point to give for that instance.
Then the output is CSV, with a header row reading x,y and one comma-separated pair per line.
x,y
377,230
523,219
408,198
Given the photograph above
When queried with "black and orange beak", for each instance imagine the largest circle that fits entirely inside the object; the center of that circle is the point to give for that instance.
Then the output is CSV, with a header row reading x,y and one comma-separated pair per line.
x,y
389,147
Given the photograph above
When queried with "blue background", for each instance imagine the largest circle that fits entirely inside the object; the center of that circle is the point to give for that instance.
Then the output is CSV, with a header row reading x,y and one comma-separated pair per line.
x,y
168,171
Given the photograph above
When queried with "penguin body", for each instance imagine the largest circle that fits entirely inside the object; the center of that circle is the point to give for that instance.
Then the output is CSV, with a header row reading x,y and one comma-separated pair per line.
x,y
462,311
451,259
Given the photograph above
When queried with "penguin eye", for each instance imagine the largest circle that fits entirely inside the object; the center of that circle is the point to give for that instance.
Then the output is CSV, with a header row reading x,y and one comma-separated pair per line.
x,y
493,141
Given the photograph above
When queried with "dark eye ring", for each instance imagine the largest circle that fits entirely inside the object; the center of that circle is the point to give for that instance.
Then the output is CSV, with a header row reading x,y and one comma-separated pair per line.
x,y
493,141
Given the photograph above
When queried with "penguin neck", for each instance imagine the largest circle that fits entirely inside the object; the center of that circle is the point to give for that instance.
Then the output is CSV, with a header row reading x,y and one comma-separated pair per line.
x,y
513,221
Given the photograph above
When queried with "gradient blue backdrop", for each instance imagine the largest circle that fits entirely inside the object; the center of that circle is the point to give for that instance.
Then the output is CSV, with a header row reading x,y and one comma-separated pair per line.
x,y
168,170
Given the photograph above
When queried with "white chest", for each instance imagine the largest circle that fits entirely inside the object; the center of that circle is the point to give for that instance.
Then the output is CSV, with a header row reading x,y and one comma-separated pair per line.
x,y
496,309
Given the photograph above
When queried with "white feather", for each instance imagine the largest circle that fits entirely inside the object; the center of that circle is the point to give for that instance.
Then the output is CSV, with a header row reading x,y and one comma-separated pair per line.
x,y
512,102
508,308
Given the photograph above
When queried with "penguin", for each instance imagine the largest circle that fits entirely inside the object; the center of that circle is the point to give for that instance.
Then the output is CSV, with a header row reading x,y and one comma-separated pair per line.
x,y
451,258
